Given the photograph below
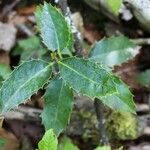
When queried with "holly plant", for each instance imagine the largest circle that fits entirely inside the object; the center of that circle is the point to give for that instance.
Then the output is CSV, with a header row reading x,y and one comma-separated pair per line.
x,y
65,75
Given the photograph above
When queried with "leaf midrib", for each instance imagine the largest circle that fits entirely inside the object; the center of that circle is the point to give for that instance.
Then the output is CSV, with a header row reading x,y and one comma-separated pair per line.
x,y
78,73
55,31
56,114
25,84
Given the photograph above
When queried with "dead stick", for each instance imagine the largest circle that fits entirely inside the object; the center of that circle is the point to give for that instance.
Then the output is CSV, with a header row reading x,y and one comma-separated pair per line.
x,y
29,114
77,36
99,108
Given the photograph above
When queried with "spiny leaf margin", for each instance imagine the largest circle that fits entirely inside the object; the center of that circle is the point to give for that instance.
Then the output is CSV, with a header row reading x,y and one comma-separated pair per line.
x,y
113,51
59,37
121,101
18,77
80,74
58,102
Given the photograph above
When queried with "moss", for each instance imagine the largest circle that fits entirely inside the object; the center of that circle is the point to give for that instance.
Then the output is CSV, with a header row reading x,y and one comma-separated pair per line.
x,y
90,125
122,125
119,125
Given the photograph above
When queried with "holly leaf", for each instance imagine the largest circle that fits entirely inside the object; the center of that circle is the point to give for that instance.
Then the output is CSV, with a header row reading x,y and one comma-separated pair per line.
x,y
49,141
58,102
121,101
144,78
54,29
69,49
97,82
87,77
113,51
23,82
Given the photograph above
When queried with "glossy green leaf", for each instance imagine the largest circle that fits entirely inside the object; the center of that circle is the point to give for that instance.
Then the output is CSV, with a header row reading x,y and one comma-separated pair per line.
x,y
87,77
67,144
29,48
58,102
144,78
23,82
54,29
113,51
68,50
114,6
49,141
121,101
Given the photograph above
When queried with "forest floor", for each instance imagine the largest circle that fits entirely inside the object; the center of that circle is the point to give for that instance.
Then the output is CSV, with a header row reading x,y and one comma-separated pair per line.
x,y
22,127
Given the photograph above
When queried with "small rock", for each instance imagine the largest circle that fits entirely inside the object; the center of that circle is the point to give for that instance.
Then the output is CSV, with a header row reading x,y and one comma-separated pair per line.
x,y
7,36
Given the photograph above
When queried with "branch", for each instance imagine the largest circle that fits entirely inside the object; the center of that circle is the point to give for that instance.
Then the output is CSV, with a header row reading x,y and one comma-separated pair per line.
x,y
99,108
77,35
